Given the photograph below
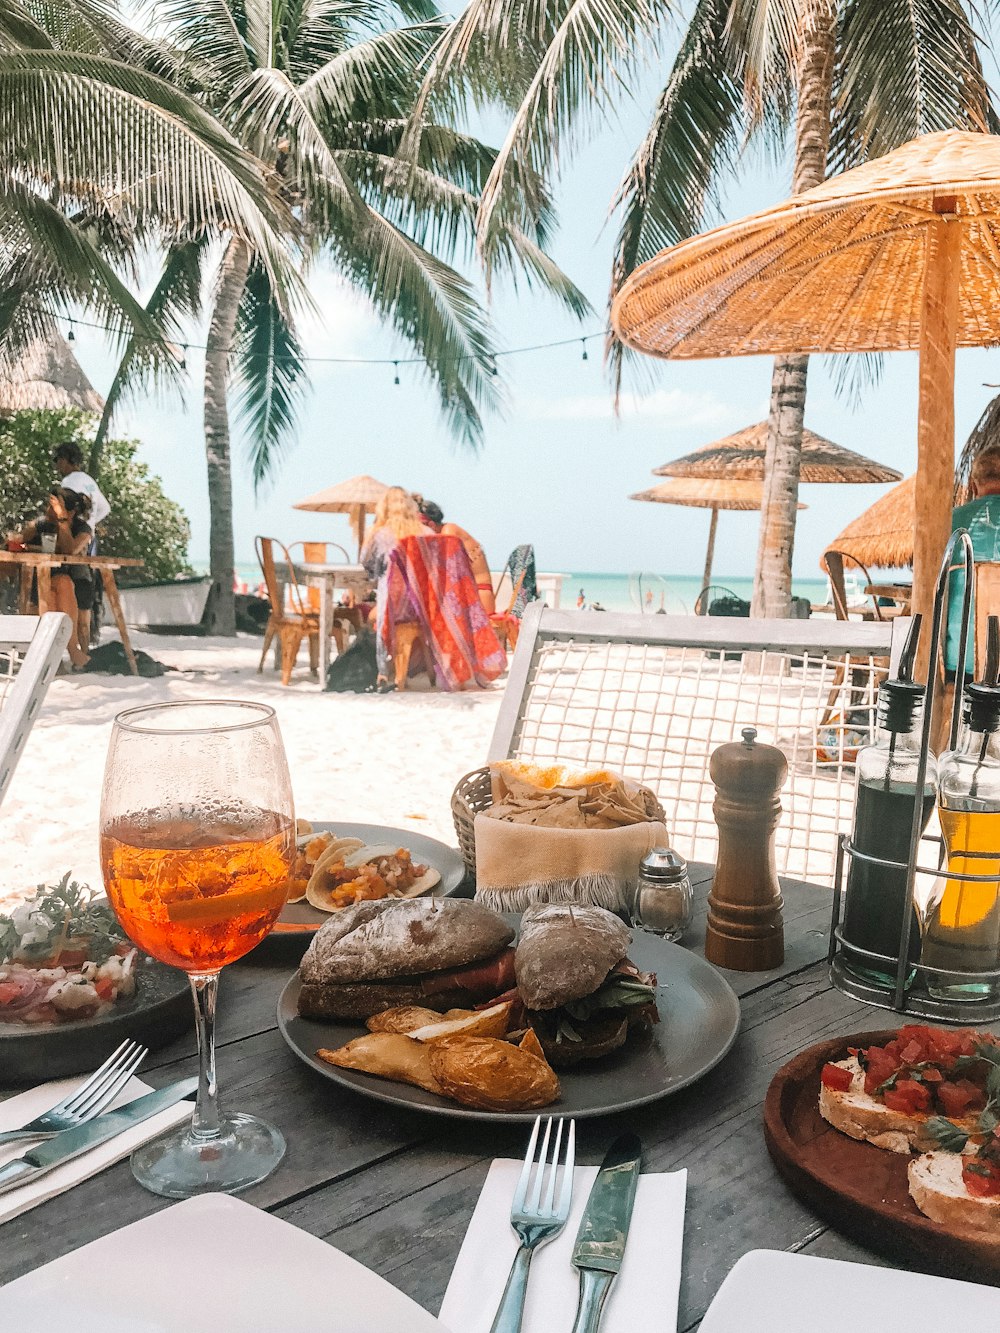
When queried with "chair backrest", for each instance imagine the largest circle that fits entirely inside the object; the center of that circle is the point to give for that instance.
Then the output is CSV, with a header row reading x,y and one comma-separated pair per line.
x,y
280,577
710,593
833,564
30,649
520,570
652,696
318,553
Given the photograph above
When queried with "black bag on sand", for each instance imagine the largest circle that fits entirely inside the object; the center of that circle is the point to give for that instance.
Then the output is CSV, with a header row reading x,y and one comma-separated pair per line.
x,y
356,671
110,660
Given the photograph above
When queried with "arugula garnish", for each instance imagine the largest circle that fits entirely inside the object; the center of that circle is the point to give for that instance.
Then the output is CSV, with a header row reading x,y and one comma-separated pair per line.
x,y
947,1135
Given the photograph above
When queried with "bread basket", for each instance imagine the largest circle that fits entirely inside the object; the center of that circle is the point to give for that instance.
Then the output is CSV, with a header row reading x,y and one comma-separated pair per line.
x,y
471,796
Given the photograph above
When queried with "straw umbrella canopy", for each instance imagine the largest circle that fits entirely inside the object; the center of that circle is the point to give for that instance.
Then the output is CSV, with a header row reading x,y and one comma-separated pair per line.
x,y
711,493
741,456
48,377
883,534
901,253
356,497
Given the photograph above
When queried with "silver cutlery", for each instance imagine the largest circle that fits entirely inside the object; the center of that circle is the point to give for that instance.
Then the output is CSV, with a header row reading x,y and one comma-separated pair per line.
x,y
600,1242
86,1101
72,1142
537,1216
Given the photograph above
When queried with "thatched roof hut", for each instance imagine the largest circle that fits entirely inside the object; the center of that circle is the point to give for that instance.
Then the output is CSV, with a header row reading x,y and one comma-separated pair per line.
x,y
48,376
883,535
741,457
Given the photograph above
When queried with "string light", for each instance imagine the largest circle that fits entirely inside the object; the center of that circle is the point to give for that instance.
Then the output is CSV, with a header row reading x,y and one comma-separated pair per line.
x,y
395,362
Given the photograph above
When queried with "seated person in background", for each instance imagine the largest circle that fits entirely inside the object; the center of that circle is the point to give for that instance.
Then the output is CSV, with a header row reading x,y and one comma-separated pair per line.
x,y
66,515
68,461
396,517
434,518
981,516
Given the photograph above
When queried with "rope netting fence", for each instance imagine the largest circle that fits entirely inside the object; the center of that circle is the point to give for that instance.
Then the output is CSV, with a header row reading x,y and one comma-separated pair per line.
x,y
655,713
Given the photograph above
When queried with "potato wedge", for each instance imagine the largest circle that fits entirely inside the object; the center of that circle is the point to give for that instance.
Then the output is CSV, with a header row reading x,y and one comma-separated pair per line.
x,y
405,1018
387,1055
490,1022
491,1074
530,1043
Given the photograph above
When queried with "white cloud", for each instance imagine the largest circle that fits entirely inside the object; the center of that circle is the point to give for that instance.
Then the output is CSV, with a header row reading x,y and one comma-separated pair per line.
x,y
674,405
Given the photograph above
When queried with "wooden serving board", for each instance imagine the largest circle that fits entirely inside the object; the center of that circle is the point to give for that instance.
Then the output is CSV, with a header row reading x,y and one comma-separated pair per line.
x,y
861,1190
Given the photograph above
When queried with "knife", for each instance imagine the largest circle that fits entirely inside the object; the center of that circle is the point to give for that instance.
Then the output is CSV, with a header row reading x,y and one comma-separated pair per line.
x,y
72,1142
600,1243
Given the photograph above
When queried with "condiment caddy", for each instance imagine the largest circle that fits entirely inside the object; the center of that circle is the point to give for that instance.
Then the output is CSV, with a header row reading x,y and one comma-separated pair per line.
x,y
942,963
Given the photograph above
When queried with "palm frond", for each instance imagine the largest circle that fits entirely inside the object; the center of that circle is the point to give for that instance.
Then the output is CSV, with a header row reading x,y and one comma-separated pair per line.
x,y
854,375
904,68
270,374
764,34
209,31
358,80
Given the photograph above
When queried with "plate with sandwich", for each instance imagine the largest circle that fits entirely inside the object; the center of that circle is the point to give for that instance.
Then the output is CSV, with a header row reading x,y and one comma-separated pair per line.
x,y
893,1135
445,1006
337,865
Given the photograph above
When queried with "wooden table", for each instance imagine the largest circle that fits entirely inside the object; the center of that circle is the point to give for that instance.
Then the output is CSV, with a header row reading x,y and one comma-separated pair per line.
x,y
396,1189
900,593
40,564
328,578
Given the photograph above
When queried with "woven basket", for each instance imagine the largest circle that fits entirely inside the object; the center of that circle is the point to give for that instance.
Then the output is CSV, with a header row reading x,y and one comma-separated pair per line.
x,y
472,794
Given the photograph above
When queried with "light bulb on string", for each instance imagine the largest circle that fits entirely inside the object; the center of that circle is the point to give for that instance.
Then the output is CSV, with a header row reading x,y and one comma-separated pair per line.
x,y
70,335
396,376
583,344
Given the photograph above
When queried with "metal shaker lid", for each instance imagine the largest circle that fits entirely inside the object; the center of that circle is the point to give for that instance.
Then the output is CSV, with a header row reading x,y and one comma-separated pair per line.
x,y
663,864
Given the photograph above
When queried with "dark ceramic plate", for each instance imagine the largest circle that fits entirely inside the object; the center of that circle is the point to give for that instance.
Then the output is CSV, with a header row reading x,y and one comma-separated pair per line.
x,y
301,920
160,1010
699,1019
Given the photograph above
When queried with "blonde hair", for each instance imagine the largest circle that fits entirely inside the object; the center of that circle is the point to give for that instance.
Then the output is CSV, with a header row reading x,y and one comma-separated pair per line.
x,y
397,511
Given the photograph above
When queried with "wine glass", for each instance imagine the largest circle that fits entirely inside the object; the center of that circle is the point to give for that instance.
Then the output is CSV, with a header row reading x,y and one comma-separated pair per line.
x,y
197,842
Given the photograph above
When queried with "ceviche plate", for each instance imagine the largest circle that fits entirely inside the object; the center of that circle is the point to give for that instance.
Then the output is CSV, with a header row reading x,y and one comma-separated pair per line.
x,y
699,1020
301,920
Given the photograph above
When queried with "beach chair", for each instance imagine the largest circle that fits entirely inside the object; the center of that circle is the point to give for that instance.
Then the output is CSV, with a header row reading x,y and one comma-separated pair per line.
x,y
291,619
652,696
30,651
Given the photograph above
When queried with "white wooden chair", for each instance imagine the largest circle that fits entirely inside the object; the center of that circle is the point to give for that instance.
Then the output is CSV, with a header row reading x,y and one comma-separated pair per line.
x,y
30,650
652,696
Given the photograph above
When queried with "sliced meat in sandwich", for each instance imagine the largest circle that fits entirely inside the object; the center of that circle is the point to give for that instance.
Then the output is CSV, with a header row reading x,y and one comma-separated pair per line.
x,y
582,994
438,953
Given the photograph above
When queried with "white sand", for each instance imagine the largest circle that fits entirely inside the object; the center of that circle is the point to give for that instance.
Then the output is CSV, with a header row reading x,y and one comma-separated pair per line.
x,y
389,759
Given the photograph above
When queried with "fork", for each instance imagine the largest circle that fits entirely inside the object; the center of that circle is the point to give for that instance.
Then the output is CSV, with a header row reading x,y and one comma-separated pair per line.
x,y
536,1221
86,1101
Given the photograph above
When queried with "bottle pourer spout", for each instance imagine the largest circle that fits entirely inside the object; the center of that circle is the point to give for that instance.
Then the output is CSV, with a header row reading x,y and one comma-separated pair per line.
x,y
908,656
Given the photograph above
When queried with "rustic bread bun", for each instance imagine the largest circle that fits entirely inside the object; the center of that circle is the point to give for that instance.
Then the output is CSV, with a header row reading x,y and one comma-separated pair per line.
x,y
367,998
402,937
565,952
863,1117
939,1192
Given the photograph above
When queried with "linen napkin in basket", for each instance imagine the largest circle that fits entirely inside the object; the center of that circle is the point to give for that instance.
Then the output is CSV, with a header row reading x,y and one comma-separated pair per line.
x,y
17,1111
554,836
644,1295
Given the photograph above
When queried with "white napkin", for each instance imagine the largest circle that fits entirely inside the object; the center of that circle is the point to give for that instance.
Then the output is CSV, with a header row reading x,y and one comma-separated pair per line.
x,y
17,1111
647,1286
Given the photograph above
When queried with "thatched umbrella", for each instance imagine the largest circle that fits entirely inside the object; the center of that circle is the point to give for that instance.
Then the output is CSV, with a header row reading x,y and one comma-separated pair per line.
x,y
356,497
741,457
48,377
711,494
901,253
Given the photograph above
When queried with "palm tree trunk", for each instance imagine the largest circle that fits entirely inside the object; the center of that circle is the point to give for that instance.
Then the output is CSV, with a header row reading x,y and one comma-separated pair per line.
x,y
232,280
773,577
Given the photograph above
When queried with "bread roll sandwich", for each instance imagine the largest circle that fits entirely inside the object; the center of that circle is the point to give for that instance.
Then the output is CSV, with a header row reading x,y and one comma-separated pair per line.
x,y
583,995
439,954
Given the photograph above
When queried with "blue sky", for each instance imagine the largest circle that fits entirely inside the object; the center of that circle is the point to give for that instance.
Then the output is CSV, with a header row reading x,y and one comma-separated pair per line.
x,y
556,468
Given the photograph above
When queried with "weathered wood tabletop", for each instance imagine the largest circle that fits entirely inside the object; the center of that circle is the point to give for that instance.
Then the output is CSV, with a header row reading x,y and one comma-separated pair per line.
x,y
396,1189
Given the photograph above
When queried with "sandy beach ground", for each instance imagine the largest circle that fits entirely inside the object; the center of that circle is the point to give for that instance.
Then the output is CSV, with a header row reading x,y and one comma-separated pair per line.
x,y
389,759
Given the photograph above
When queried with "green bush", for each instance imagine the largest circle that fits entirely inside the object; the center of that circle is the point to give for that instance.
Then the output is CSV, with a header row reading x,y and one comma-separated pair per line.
x,y
144,523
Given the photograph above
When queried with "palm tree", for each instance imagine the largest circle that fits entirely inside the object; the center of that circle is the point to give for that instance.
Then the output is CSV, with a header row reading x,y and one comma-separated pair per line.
x,y
323,94
103,154
855,78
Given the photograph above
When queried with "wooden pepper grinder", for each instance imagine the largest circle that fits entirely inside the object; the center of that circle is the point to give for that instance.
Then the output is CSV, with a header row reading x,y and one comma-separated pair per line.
x,y
745,929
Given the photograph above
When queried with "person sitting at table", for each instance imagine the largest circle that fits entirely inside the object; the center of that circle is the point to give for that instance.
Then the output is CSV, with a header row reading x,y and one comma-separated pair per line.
x,y
981,517
66,515
396,517
67,459
433,516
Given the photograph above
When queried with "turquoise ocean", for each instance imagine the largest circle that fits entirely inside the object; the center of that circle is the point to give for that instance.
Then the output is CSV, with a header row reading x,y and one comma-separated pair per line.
x,y
677,593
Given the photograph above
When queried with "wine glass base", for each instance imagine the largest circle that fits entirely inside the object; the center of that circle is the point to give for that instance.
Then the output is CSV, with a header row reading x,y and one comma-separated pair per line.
x,y
181,1164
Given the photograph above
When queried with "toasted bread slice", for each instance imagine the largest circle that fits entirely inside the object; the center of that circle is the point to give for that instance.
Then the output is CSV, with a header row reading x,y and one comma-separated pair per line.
x,y
939,1192
861,1116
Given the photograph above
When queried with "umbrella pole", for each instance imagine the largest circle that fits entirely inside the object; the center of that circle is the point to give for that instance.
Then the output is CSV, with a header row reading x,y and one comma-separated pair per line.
x,y
362,515
936,420
709,557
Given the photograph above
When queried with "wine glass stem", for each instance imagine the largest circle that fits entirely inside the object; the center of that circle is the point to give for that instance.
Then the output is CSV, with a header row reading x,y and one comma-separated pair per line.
x,y
205,988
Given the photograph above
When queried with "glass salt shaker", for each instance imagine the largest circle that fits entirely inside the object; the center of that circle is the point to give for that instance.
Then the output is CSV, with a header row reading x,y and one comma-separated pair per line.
x,y
663,896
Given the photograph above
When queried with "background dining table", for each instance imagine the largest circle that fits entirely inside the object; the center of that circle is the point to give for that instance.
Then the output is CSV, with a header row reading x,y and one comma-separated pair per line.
x,y
328,578
396,1189
40,563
